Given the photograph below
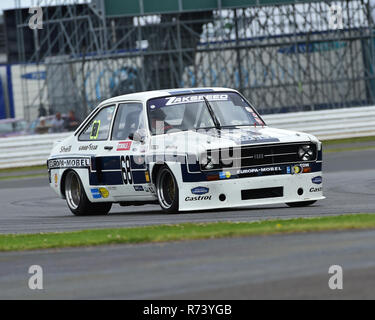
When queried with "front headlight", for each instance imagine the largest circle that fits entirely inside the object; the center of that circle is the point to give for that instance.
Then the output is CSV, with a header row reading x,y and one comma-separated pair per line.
x,y
305,153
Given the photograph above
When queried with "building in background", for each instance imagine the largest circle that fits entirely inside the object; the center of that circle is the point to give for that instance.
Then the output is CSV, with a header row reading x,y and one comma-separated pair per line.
x,y
283,55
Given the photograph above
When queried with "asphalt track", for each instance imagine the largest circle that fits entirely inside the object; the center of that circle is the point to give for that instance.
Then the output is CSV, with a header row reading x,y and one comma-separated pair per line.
x,y
275,267
28,205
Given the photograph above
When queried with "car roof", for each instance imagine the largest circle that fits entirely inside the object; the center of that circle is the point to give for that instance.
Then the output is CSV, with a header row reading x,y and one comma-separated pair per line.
x,y
146,95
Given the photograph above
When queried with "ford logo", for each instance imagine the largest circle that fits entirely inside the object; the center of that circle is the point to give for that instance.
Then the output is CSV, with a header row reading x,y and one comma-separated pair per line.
x,y
200,190
317,180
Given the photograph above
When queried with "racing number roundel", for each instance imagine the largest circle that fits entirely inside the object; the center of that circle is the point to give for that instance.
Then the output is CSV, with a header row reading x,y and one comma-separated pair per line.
x,y
126,171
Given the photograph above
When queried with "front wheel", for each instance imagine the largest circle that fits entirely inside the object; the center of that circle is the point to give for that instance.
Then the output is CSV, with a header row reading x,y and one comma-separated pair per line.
x,y
301,204
167,190
77,200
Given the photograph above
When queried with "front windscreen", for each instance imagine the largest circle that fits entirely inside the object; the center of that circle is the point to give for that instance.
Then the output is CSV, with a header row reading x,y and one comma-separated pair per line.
x,y
200,111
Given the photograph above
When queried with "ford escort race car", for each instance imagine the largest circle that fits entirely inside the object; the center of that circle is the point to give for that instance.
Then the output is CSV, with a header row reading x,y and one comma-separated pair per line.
x,y
186,149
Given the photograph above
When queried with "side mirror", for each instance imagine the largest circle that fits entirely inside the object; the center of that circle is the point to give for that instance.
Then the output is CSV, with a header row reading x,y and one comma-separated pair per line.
x,y
139,135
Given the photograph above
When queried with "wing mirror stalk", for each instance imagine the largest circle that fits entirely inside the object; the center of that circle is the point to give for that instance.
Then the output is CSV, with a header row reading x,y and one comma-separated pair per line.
x,y
138,136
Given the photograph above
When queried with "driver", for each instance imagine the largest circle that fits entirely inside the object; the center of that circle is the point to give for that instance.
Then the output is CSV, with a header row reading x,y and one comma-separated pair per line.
x,y
158,123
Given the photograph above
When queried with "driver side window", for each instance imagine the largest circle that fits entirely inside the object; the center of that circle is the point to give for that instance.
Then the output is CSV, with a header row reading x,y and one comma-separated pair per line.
x,y
129,119
99,127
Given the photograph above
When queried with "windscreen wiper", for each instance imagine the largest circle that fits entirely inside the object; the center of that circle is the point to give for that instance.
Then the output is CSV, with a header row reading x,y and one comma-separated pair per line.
x,y
212,114
236,125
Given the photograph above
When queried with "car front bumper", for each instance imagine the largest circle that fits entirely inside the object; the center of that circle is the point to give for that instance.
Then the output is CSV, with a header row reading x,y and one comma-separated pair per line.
x,y
250,191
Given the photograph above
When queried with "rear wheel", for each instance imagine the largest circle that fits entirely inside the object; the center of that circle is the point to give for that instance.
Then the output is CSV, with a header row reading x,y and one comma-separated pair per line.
x,y
167,190
301,204
77,200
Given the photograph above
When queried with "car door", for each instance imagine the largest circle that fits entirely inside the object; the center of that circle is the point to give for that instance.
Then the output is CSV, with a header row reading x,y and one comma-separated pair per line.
x,y
93,142
129,119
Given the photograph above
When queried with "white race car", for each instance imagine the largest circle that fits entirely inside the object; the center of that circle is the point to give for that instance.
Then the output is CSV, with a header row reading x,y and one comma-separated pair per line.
x,y
186,149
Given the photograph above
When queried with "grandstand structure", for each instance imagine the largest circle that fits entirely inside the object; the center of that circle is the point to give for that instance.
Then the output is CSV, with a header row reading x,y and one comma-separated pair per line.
x,y
282,55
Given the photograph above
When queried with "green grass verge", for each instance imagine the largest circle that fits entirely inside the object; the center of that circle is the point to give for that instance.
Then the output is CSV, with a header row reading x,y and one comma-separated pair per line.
x,y
348,140
30,168
37,175
180,232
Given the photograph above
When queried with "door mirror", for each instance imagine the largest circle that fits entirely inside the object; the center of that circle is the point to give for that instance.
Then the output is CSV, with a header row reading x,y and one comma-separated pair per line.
x,y
138,135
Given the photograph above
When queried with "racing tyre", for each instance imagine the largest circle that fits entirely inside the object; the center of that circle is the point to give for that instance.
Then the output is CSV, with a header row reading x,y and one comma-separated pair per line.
x,y
77,200
301,204
167,190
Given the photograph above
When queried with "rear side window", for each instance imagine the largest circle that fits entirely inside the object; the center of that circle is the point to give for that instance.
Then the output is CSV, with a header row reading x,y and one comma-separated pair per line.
x,y
100,126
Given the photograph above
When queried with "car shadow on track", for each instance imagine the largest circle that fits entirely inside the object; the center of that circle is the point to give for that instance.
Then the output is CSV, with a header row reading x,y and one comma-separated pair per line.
x,y
157,211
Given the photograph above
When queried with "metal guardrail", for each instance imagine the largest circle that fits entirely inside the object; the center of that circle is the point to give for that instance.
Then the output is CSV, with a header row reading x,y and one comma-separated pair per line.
x,y
27,150
327,124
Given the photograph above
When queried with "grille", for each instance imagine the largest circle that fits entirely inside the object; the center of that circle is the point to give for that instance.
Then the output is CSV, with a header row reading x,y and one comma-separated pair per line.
x,y
250,156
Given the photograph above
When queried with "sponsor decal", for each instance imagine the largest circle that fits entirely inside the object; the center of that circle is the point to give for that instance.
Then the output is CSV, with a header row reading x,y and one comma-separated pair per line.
x,y
96,194
104,192
297,169
95,130
242,136
224,175
198,198
90,147
65,149
138,188
200,190
124,146
317,180
313,189
69,163
56,179
260,170
147,176
193,99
